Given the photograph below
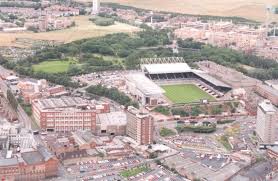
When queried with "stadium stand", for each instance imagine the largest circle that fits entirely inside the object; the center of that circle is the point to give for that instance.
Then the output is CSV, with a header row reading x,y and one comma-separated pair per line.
x,y
175,68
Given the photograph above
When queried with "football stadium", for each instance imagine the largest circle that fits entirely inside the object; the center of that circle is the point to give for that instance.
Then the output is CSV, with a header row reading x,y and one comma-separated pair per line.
x,y
172,79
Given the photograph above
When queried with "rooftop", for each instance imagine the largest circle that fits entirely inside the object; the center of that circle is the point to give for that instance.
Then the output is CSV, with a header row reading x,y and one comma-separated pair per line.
x,y
63,102
267,106
211,79
269,89
274,81
112,118
33,157
8,162
166,68
145,85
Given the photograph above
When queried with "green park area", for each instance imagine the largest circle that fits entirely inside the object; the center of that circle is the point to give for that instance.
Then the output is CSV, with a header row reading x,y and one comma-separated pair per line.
x,y
134,171
55,66
185,93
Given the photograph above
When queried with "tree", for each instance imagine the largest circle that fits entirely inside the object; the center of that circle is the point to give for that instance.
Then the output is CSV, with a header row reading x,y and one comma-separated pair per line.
x,y
12,100
195,111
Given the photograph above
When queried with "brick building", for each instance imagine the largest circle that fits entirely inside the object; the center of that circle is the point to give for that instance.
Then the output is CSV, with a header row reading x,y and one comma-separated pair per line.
x,y
268,92
66,114
29,166
140,126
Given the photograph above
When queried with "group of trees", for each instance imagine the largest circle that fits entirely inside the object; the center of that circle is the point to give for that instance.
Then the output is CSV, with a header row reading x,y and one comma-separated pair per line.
x,y
34,4
123,47
235,19
263,69
166,132
12,100
209,128
127,51
113,94
102,21
24,68
162,110
226,121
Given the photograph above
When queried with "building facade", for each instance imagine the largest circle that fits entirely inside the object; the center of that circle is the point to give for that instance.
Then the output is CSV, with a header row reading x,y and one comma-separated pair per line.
x,y
267,118
65,114
140,126
29,166
95,7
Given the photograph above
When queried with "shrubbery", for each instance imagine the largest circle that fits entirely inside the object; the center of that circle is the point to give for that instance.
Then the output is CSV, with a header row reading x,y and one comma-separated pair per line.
x,y
166,132
102,21
210,128
113,94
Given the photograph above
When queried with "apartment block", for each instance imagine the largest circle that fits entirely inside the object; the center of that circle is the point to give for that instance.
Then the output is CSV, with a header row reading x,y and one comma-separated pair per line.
x,y
140,126
267,119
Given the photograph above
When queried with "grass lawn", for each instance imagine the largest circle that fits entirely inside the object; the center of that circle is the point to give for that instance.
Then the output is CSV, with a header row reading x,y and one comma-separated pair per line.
x,y
56,66
134,171
83,29
224,141
252,9
185,93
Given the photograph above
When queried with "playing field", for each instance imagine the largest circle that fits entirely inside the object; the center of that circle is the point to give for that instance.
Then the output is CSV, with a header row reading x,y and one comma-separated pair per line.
x,y
185,93
251,9
83,29
52,66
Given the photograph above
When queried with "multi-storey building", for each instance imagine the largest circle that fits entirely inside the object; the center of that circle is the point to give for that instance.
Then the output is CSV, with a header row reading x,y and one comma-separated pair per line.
x,y
268,92
267,118
29,166
66,114
95,7
140,126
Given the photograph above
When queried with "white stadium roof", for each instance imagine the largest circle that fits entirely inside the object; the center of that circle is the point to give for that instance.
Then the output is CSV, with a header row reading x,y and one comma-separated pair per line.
x,y
211,79
145,85
166,68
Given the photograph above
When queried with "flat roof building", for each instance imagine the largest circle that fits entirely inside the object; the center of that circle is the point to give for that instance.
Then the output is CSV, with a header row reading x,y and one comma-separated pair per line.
x,y
140,126
143,89
267,119
65,114
113,123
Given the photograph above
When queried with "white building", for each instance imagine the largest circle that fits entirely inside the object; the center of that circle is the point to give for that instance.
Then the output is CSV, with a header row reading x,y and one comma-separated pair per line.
x,y
112,123
143,89
267,118
95,7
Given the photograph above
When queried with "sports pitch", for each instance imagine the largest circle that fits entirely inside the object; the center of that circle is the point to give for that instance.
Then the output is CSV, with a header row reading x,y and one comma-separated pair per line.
x,y
57,66
185,93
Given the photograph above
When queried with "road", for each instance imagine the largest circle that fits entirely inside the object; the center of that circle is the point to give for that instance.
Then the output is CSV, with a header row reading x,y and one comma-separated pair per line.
x,y
24,118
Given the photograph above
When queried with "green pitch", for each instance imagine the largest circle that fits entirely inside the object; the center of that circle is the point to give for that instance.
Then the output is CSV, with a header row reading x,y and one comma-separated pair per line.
x,y
185,93
56,66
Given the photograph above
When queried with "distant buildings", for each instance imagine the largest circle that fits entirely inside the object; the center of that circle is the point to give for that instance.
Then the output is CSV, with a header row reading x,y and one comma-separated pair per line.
x,y
95,7
229,35
54,17
35,89
140,126
267,118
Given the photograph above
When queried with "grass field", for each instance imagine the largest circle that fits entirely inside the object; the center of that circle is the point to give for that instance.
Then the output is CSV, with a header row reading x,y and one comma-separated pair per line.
x,y
56,66
134,171
83,29
185,93
251,9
